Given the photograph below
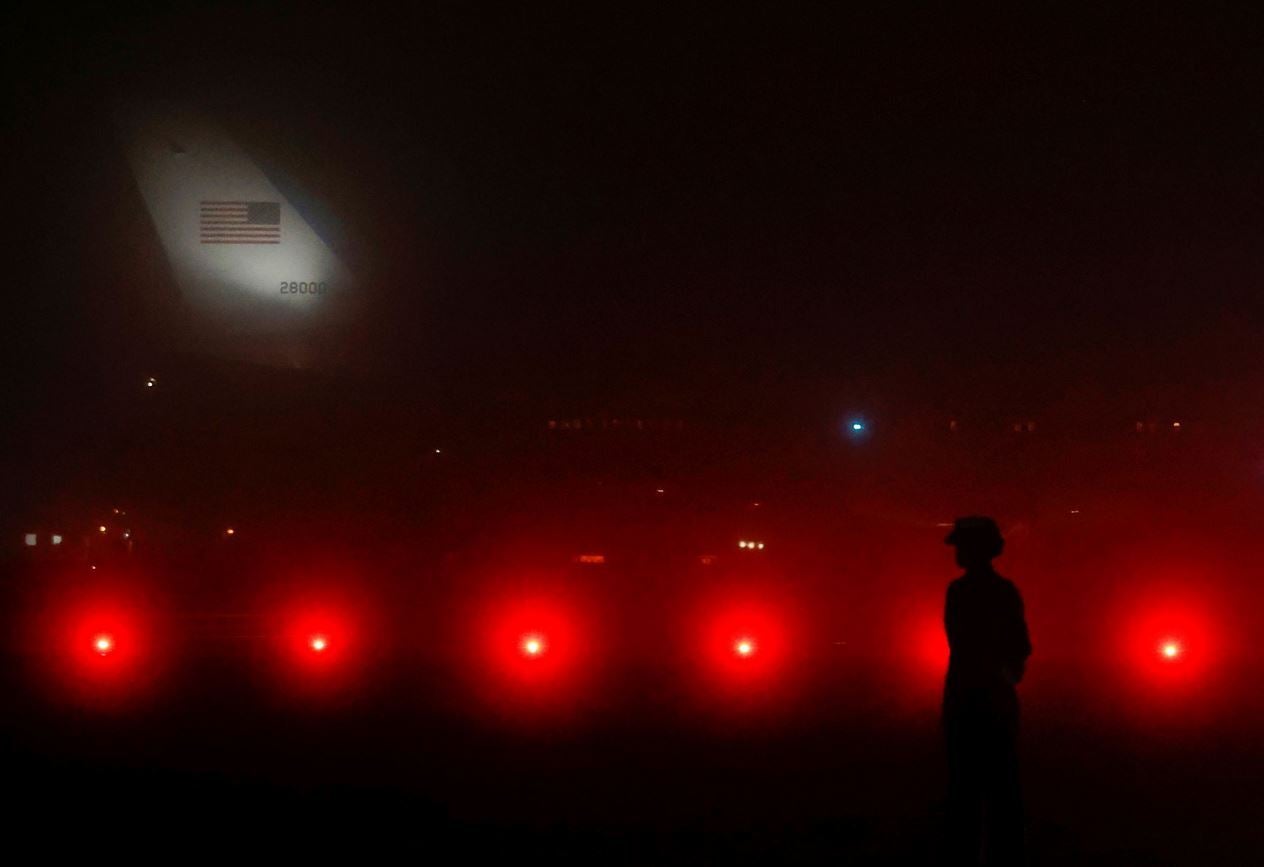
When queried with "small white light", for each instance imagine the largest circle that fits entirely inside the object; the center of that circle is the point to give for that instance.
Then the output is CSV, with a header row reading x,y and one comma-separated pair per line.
x,y
532,645
101,529
150,382
745,647
56,538
31,540
761,546
318,643
103,644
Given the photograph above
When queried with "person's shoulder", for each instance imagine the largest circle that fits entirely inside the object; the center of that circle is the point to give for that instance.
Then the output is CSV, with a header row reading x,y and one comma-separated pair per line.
x,y
1008,586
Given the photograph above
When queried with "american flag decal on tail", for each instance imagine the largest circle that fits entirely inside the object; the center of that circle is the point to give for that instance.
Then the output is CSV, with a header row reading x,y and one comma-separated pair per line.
x,y
239,222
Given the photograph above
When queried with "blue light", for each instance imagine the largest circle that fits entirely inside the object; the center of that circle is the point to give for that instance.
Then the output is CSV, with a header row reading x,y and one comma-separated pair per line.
x,y
855,428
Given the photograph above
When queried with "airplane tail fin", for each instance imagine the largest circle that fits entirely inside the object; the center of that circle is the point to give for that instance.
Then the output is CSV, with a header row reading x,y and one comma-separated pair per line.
x,y
257,281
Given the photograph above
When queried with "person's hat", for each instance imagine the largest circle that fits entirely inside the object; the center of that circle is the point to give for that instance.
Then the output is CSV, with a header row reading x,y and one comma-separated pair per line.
x,y
974,527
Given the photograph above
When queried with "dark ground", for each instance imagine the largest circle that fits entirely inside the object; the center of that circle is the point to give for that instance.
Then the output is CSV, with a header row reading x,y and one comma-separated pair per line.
x,y
225,769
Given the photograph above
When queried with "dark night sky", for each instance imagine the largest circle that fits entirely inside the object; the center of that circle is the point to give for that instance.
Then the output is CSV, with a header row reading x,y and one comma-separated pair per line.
x,y
643,202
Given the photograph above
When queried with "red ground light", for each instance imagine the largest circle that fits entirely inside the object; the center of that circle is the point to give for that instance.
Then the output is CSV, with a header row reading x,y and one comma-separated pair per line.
x,y
1171,644
533,644
104,644
321,626
745,644
320,644
927,645
912,641
104,649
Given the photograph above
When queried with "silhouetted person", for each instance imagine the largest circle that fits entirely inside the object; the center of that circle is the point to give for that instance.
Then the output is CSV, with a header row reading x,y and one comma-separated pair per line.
x,y
988,650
